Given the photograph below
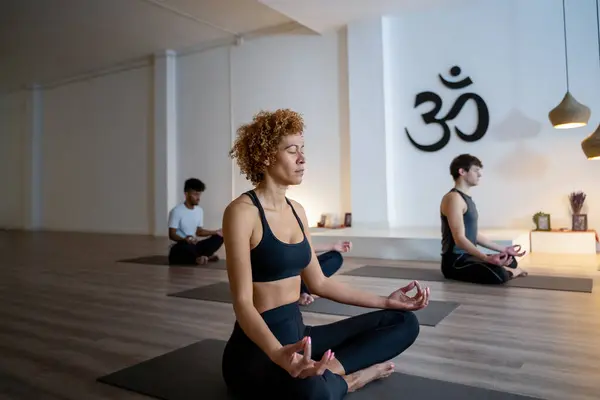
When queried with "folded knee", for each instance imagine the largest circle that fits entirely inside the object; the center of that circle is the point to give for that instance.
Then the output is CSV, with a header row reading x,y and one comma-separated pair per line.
x,y
504,276
217,238
412,326
406,323
334,257
336,260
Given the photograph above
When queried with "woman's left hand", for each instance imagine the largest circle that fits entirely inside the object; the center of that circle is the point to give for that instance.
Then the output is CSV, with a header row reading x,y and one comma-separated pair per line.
x,y
400,299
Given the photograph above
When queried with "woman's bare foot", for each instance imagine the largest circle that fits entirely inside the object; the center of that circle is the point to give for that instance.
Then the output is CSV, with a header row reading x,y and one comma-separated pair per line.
x,y
518,272
305,299
202,260
213,258
360,378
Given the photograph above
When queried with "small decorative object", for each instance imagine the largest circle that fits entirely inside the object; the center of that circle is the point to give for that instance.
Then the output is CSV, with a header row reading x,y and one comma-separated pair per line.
x,y
577,199
348,220
579,220
321,223
542,221
328,221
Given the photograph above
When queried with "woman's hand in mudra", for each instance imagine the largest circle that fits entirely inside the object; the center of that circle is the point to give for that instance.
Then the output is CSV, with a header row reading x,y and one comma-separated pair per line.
x,y
301,365
401,300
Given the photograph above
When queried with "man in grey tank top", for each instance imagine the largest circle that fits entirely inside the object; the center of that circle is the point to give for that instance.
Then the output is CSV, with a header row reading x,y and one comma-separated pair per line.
x,y
461,259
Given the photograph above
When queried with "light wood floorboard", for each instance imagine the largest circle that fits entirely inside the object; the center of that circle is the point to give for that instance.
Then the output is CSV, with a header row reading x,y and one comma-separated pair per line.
x,y
70,313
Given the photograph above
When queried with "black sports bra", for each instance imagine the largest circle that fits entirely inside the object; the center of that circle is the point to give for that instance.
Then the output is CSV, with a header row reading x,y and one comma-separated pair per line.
x,y
273,259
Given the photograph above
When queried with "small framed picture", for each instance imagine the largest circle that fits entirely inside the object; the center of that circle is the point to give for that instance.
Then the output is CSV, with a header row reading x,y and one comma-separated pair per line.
x,y
542,222
580,222
348,219
321,223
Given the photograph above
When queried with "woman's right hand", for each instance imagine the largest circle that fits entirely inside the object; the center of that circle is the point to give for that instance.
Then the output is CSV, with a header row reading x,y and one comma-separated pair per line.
x,y
301,365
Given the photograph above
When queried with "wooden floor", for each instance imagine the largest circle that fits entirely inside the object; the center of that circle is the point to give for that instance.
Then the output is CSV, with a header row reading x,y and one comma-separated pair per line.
x,y
70,313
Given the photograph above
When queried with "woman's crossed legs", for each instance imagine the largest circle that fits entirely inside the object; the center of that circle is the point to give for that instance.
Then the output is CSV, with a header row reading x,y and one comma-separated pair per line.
x,y
361,348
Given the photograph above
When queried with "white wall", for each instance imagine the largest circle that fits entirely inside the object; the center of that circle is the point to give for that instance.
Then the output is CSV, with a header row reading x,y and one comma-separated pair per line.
x,y
514,53
105,179
96,156
98,137
372,184
204,123
223,88
12,119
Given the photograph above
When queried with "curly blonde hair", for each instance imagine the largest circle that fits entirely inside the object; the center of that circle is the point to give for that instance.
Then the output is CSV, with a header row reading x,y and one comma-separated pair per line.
x,y
257,141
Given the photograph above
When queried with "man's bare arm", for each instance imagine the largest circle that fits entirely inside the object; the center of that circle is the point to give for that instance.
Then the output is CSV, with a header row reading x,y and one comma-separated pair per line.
x,y
452,208
174,236
201,232
488,244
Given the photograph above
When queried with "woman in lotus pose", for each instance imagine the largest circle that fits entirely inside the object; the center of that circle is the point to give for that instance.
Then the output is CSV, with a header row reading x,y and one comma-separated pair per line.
x,y
271,354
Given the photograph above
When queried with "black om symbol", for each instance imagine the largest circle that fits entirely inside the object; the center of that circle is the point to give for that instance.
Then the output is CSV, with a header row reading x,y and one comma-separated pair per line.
x,y
430,117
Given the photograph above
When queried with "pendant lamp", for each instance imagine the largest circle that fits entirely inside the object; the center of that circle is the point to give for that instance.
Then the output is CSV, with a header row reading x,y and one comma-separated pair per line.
x,y
569,113
591,144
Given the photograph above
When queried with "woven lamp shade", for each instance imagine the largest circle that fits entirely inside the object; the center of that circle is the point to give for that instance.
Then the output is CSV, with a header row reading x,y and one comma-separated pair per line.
x,y
591,145
569,113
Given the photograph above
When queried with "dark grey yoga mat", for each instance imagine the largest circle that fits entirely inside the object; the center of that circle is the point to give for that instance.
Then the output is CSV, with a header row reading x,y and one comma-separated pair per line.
x,y
151,260
164,260
431,315
194,372
531,281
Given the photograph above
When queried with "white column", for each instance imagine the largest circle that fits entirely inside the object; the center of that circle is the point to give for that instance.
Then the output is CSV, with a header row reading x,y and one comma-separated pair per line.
x,y
166,185
32,160
370,185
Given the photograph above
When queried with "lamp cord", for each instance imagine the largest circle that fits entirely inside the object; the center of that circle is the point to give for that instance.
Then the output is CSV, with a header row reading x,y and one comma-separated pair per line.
x,y
565,33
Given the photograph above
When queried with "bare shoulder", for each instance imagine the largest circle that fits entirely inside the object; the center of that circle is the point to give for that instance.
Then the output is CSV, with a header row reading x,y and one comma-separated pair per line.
x,y
240,210
300,211
452,201
450,196
240,201
297,206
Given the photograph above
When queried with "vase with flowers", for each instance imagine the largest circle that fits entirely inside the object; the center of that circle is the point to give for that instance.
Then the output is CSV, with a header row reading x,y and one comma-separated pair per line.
x,y
579,220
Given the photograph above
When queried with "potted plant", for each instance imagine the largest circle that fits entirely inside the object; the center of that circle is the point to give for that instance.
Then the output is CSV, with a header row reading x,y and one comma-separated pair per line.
x,y
579,220
542,221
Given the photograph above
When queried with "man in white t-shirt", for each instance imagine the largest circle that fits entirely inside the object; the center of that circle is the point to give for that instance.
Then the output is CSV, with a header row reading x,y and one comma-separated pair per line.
x,y
186,228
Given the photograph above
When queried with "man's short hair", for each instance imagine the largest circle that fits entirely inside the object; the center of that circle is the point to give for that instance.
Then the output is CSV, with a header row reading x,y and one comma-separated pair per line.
x,y
194,184
463,161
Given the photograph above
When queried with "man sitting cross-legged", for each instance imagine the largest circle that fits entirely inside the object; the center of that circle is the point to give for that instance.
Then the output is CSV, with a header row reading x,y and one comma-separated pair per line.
x,y
331,261
461,259
185,229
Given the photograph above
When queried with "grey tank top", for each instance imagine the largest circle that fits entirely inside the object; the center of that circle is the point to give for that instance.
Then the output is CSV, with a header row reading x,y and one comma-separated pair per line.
x,y
469,219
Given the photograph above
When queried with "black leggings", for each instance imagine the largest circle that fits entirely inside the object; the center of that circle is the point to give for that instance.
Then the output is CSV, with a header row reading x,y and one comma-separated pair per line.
x,y
468,268
330,263
183,253
358,342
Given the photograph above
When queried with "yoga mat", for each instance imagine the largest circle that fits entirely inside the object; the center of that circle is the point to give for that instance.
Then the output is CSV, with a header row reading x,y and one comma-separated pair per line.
x,y
435,275
164,260
194,372
431,315
151,260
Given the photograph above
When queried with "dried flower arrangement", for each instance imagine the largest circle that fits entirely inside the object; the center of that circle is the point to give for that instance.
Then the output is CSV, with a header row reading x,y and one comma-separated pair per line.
x,y
576,199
